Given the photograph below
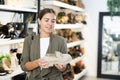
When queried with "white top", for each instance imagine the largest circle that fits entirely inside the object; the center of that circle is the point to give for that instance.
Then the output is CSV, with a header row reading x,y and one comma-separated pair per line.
x,y
44,43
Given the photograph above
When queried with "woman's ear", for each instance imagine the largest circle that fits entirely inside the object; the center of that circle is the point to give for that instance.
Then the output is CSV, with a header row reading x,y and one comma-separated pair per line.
x,y
39,21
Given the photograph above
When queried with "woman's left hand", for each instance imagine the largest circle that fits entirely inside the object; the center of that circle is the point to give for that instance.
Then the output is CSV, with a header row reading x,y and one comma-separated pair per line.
x,y
61,66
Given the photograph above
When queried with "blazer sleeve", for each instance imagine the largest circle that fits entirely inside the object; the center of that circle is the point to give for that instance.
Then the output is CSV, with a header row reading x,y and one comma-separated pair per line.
x,y
26,53
63,46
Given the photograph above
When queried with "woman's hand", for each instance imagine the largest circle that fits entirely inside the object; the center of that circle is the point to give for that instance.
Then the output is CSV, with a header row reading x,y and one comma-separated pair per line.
x,y
36,63
61,66
42,63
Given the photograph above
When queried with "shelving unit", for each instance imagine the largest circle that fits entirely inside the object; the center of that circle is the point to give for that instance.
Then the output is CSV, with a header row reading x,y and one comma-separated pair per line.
x,y
77,26
75,43
77,76
17,9
68,26
77,59
14,73
8,43
61,4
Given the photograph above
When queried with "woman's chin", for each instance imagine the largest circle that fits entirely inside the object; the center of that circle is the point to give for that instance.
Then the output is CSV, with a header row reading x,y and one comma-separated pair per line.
x,y
49,31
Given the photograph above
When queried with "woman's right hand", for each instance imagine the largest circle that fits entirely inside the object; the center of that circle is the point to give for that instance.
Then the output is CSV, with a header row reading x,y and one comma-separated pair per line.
x,y
42,63
36,63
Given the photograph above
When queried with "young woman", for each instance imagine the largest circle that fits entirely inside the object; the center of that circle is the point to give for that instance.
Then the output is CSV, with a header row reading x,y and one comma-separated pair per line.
x,y
37,46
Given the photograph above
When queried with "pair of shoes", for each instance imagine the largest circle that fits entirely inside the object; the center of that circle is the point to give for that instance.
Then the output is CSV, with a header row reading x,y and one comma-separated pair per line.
x,y
6,65
2,71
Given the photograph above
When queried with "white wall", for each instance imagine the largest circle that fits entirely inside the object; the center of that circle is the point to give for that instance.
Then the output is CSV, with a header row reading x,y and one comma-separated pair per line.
x,y
93,7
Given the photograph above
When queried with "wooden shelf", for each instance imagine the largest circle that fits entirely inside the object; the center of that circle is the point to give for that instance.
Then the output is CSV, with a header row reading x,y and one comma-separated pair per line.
x,y
61,4
78,76
7,42
75,43
68,26
16,72
19,9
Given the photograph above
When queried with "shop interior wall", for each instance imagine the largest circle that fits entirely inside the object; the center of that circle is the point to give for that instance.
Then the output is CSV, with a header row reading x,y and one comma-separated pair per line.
x,y
92,8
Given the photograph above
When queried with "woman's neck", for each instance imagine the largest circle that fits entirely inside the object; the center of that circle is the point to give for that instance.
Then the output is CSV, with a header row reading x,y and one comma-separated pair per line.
x,y
43,35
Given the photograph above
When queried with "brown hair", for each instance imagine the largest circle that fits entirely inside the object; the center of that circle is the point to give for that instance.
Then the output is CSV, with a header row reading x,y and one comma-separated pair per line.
x,y
45,11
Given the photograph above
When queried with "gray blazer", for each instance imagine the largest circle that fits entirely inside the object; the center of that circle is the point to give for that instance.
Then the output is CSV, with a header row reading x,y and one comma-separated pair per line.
x,y
31,51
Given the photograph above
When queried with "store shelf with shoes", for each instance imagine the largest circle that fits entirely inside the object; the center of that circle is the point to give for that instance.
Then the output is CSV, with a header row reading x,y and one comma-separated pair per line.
x,y
17,17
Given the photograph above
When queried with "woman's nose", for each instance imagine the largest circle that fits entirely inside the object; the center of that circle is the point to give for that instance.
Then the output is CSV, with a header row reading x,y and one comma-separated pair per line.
x,y
50,23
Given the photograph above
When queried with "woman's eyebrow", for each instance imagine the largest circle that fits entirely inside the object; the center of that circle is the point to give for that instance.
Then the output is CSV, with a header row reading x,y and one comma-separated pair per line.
x,y
48,19
53,19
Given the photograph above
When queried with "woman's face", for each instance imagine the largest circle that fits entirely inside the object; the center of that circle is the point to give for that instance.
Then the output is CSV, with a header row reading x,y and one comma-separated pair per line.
x,y
47,23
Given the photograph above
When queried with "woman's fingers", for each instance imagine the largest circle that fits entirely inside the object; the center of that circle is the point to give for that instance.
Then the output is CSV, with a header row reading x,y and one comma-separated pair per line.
x,y
42,63
61,67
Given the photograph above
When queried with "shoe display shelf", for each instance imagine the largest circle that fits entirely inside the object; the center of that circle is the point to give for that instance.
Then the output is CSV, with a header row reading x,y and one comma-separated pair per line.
x,y
7,43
